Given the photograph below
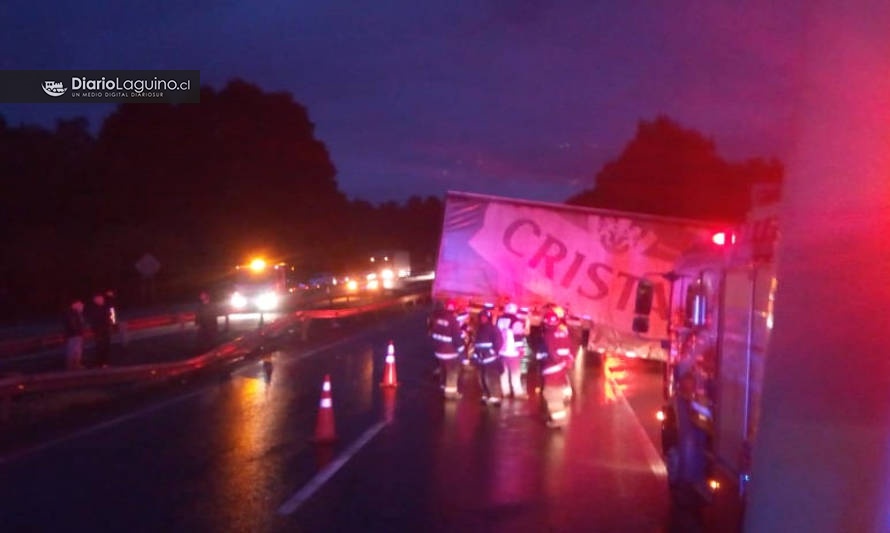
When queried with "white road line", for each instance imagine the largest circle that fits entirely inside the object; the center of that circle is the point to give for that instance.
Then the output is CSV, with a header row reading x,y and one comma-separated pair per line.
x,y
323,475
656,463
15,456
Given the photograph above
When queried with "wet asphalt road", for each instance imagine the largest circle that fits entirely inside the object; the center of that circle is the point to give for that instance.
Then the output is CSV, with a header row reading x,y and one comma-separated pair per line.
x,y
235,454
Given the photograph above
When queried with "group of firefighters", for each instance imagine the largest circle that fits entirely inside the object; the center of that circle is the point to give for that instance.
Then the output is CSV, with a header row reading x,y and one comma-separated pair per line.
x,y
512,357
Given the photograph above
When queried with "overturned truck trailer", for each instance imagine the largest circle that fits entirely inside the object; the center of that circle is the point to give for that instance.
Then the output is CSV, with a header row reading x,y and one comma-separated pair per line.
x,y
589,261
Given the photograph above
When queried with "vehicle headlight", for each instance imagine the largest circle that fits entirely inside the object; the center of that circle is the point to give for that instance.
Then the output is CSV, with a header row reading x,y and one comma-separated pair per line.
x,y
238,301
267,301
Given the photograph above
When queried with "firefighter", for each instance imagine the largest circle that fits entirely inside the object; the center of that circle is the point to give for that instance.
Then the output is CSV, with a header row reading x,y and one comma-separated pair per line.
x,y
569,323
449,347
553,369
512,351
487,344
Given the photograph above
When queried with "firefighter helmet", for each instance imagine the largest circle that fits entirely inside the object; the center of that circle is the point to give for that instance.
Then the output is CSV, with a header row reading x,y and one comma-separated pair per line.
x,y
550,318
511,308
559,312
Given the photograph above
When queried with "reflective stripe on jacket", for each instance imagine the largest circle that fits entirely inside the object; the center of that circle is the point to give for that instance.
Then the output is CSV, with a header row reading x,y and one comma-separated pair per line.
x,y
553,369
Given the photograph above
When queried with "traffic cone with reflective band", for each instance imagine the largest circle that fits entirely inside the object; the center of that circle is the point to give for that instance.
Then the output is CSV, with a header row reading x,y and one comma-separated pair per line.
x,y
389,370
324,427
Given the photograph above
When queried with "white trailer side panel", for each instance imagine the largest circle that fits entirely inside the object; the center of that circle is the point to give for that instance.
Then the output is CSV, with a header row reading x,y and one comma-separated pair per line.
x,y
587,260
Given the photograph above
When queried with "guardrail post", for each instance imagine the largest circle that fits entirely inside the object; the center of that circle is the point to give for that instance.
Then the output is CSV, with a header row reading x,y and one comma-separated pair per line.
x,y
226,327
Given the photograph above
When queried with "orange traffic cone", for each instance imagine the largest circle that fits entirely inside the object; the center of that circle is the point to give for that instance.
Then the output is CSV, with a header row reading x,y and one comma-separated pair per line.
x,y
324,427
389,404
389,370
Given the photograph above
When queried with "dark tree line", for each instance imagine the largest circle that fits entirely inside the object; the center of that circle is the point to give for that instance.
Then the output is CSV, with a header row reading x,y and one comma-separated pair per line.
x,y
200,187
669,170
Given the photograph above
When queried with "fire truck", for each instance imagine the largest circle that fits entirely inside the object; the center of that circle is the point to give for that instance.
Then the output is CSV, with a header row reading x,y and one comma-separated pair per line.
x,y
721,317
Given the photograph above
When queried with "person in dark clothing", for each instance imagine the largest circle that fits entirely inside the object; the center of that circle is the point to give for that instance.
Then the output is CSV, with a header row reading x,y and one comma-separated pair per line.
x,y
207,323
487,345
99,318
75,327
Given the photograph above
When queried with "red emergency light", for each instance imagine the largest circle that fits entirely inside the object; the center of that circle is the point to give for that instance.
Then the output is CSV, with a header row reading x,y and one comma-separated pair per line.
x,y
722,237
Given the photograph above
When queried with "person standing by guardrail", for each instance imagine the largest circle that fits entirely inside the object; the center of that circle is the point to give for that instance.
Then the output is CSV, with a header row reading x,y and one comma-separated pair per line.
x,y
75,326
99,317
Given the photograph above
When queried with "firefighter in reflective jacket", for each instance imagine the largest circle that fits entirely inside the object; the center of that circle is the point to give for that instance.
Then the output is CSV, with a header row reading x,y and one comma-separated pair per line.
x,y
554,373
487,344
448,346
512,351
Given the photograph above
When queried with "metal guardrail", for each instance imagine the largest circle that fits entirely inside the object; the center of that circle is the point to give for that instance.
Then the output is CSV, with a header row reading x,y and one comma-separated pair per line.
x,y
229,352
410,299
13,347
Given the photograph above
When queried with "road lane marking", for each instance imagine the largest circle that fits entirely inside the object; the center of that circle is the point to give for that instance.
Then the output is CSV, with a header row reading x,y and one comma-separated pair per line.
x,y
323,475
656,463
21,454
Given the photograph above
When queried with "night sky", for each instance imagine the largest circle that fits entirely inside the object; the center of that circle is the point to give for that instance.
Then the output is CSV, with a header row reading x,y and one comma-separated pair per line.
x,y
521,98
